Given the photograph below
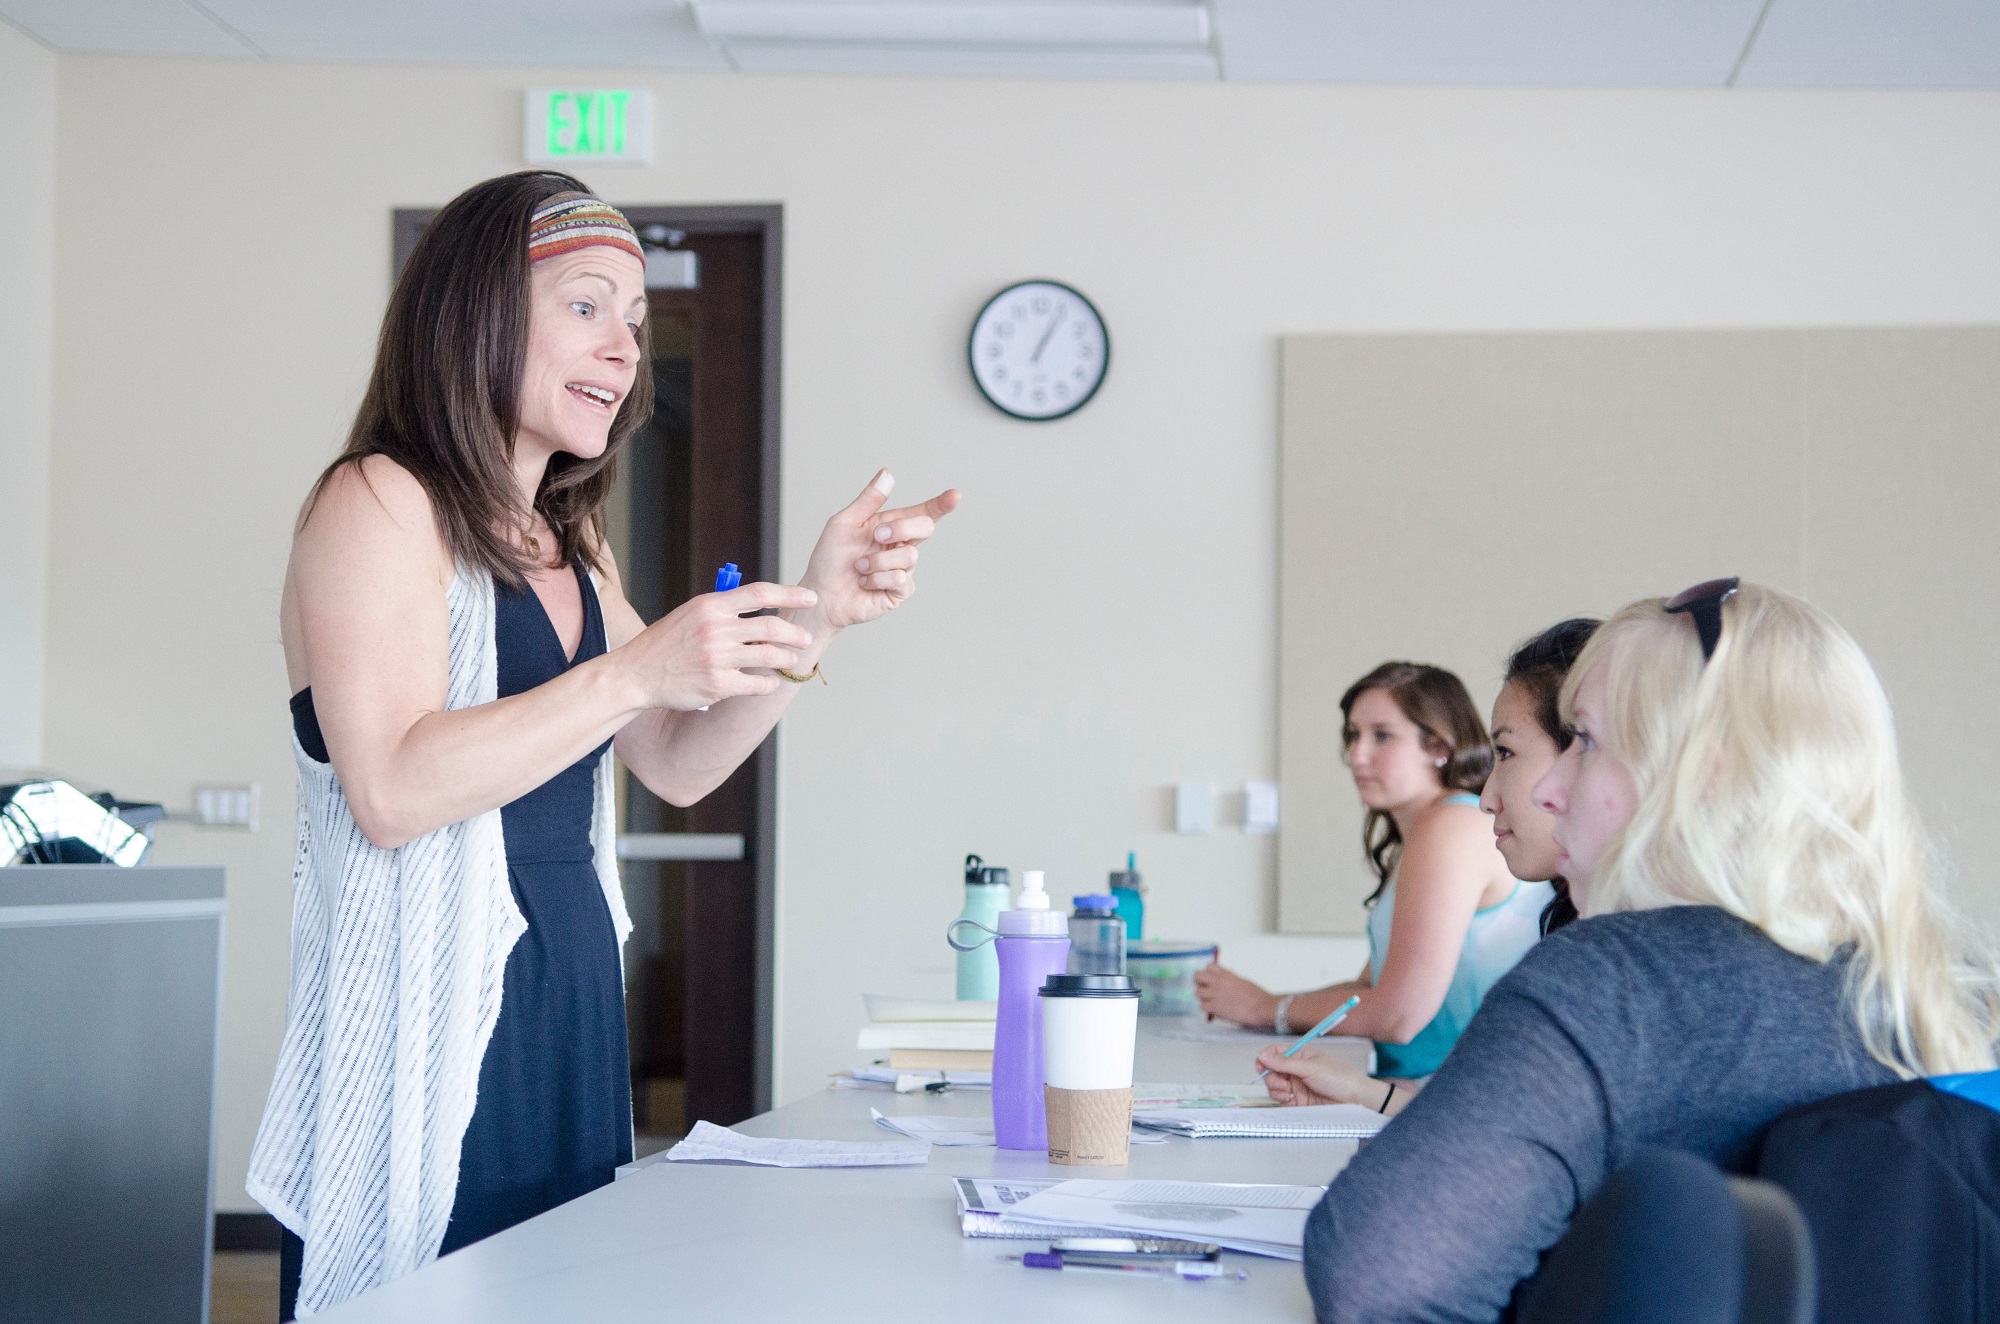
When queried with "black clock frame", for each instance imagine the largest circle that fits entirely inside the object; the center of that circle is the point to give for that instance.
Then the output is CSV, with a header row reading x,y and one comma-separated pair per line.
x,y
972,355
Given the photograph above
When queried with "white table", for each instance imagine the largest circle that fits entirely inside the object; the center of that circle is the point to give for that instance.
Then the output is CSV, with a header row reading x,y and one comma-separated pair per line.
x,y
677,1241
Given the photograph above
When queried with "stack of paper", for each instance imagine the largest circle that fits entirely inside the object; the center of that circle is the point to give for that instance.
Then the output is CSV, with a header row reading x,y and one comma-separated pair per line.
x,y
709,1143
1261,1220
939,1130
1332,1121
986,1209
929,1036
942,1129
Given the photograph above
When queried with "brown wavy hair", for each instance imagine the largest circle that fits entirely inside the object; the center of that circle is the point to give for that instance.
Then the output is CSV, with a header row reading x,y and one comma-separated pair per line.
x,y
444,399
1436,701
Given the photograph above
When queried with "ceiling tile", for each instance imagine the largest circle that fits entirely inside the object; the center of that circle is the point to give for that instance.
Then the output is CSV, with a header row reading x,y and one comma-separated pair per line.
x,y
1876,43
1652,43
628,33
135,27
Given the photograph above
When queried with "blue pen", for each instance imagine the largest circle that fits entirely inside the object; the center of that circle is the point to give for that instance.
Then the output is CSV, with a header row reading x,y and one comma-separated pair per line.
x,y
1318,1030
726,578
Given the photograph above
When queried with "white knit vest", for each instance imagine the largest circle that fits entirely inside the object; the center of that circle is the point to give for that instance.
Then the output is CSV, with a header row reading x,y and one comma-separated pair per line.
x,y
397,965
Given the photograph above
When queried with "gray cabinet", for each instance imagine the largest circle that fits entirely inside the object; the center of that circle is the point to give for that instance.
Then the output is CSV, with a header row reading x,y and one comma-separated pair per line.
x,y
110,985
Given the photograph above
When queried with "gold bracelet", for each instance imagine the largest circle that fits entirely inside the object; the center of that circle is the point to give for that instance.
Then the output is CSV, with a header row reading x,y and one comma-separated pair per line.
x,y
797,679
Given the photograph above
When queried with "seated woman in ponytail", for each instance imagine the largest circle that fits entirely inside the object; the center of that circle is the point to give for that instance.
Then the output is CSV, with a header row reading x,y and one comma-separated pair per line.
x,y
1761,928
1528,734
1446,919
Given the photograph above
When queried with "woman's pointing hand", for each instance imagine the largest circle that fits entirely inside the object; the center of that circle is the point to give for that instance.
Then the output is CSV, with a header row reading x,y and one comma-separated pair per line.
x,y
865,562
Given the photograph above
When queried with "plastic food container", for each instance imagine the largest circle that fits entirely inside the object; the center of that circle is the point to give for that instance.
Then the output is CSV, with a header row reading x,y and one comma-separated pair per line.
x,y
1164,971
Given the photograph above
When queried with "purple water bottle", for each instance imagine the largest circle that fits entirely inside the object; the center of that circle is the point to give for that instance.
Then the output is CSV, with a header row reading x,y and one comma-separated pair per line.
x,y
1033,944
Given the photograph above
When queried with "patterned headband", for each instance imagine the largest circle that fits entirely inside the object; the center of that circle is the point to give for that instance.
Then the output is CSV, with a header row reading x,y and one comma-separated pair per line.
x,y
570,221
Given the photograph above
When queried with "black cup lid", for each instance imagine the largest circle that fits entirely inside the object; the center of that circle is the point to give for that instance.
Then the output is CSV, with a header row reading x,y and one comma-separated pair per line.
x,y
1089,986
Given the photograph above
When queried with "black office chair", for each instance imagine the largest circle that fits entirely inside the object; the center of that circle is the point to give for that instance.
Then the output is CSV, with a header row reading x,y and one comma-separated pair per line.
x,y
1670,1240
1901,1187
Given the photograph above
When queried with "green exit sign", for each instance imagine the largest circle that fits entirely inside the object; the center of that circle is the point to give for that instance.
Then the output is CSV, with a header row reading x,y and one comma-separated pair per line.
x,y
578,124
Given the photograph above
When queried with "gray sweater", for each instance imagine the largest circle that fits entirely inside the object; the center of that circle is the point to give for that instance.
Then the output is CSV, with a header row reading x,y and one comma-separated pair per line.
x,y
1683,1027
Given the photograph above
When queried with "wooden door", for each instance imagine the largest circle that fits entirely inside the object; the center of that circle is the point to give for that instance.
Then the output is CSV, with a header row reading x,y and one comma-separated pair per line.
x,y
697,486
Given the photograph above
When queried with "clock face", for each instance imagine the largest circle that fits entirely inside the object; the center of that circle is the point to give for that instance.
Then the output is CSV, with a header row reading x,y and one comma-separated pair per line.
x,y
1039,350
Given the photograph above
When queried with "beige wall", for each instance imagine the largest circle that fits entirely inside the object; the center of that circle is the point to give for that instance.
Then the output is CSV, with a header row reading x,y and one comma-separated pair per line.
x,y
1100,619
27,285
1505,482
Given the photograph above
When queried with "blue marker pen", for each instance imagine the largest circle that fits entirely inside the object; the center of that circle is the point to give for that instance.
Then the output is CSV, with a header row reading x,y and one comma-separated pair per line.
x,y
726,578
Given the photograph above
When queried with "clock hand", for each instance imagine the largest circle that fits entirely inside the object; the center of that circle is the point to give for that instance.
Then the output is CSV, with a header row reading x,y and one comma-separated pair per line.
x,y
1043,344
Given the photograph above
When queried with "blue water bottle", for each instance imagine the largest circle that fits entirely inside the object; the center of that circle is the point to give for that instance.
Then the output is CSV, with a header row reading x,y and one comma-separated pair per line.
x,y
1129,890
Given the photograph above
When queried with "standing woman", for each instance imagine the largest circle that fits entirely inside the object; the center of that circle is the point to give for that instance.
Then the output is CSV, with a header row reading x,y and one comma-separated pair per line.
x,y
463,661
1446,919
1528,734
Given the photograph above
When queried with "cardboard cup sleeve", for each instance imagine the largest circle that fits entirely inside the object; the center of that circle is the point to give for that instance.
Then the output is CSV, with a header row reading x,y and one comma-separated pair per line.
x,y
1089,1127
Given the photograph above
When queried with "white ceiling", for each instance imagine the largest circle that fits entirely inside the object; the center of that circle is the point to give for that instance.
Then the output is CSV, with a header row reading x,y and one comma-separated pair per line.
x,y
1655,43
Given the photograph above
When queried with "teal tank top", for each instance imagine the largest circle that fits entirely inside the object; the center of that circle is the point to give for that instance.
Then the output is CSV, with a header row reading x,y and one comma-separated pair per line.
x,y
1498,936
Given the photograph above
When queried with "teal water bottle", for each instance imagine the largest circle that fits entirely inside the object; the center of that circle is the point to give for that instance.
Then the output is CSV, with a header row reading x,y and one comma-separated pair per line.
x,y
1130,892
985,898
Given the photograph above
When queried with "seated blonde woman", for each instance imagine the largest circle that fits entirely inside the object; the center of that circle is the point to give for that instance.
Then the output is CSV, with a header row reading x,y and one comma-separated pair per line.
x,y
1446,919
1761,929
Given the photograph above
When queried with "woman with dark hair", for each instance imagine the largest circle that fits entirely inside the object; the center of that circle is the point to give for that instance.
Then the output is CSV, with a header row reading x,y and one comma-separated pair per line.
x,y
463,662
1528,734
1446,919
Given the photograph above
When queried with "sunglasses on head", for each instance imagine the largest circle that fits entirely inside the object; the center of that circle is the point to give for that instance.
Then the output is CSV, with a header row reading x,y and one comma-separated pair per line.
x,y
1704,603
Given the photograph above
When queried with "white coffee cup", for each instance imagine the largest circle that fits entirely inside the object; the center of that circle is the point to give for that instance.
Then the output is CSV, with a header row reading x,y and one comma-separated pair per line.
x,y
1090,1025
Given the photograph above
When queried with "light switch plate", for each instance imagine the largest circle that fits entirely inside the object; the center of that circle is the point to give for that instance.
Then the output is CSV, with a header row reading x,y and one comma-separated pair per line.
x,y
1260,808
226,806
1194,807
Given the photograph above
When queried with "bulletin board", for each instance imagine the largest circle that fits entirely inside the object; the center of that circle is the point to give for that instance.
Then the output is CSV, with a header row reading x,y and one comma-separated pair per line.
x,y
1443,497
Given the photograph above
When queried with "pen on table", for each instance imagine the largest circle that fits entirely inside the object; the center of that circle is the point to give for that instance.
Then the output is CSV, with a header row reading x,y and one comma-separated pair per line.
x,y
727,576
1194,1271
1317,1031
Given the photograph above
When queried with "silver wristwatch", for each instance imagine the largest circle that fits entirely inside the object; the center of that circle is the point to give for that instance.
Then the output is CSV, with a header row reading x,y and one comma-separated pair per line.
x,y
1280,1019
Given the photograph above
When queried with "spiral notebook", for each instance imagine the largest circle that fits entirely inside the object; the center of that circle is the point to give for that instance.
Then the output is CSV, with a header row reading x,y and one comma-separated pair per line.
x,y
1332,1121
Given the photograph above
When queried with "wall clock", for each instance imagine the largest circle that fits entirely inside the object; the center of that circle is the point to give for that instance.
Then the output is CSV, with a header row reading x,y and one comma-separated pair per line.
x,y
1039,350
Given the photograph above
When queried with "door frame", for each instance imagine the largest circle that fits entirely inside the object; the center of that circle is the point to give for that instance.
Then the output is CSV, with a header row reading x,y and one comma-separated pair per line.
x,y
766,220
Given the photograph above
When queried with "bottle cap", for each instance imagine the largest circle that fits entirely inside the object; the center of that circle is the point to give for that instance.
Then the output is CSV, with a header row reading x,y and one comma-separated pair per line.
x,y
1089,986
1096,901
978,873
1031,916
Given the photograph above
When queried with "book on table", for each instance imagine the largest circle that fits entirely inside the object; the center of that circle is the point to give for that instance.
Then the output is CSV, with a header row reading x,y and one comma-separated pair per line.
x,y
945,1036
940,1059
929,1036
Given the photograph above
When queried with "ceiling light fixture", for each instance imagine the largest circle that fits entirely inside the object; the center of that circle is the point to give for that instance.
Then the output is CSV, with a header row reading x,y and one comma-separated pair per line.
x,y
927,23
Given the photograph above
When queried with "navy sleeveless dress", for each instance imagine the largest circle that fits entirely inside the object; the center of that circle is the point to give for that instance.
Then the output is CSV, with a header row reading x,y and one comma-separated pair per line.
x,y
554,1116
